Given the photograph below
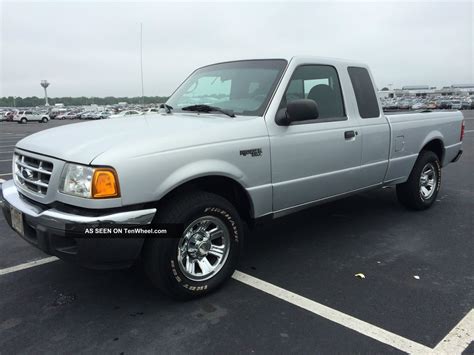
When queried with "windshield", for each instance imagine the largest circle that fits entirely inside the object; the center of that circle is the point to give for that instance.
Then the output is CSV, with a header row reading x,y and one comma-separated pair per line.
x,y
243,87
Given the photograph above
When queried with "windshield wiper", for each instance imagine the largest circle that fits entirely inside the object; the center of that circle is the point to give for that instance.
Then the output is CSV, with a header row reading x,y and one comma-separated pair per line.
x,y
207,108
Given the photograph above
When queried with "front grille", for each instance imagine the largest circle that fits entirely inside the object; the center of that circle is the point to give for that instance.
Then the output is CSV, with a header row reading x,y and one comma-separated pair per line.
x,y
32,174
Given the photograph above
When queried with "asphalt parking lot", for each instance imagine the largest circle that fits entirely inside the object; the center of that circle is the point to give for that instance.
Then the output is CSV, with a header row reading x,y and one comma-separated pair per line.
x,y
295,290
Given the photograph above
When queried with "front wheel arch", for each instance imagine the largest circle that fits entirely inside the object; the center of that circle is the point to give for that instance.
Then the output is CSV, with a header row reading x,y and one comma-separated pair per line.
x,y
221,185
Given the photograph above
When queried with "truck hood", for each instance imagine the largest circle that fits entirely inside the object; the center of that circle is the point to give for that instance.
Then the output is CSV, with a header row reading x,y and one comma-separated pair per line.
x,y
134,136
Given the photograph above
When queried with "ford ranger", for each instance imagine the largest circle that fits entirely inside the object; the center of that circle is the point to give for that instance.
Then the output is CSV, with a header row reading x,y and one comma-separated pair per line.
x,y
237,142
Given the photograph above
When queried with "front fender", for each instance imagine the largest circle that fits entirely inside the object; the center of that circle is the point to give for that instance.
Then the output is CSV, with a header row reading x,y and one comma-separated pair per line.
x,y
199,169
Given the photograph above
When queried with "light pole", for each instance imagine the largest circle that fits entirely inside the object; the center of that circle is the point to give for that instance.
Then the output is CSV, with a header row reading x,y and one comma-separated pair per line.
x,y
45,84
141,62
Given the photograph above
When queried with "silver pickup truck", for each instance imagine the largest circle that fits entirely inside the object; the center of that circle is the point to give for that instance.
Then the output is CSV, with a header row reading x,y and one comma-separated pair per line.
x,y
237,142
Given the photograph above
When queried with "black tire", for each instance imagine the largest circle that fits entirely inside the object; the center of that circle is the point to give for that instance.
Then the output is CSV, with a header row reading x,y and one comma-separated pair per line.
x,y
23,120
44,120
161,255
410,193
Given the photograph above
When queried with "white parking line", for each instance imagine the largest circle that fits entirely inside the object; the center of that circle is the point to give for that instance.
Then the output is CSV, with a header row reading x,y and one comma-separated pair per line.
x,y
31,264
455,342
459,338
5,174
4,160
469,131
6,146
333,315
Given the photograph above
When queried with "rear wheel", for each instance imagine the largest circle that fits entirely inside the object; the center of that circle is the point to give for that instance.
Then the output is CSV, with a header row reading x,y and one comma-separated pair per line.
x,y
44,120
420,190
205,255
23,120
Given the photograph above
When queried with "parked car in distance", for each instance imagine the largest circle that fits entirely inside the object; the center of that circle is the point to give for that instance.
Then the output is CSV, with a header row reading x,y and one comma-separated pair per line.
x,y
8,116
404,104
239,156
54,113
126,113
418,106
466,105
30,116
456,104
151,110
67,116
86,115
445,104
98,115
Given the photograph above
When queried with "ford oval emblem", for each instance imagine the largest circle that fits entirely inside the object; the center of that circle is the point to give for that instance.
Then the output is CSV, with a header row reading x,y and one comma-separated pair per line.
x,y
27,173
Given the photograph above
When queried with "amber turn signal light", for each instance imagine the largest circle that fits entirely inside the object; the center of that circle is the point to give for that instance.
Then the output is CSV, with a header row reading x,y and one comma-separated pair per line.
x,y
105,183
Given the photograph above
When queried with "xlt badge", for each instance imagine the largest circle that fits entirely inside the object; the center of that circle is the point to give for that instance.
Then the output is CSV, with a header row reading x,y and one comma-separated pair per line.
x,y
256,152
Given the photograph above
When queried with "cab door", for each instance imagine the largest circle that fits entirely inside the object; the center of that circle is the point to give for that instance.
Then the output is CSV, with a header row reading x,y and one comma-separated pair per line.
x,y
374,128
317,159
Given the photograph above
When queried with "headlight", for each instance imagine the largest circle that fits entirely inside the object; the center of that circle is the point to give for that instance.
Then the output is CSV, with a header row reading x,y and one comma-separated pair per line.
x,y
89,182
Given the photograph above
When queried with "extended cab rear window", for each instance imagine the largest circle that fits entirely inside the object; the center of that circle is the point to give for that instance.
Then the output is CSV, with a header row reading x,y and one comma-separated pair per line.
x,y
364,92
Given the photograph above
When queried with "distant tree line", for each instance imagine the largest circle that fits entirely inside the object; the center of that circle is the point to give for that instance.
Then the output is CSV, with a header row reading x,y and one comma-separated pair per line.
x,y
33,101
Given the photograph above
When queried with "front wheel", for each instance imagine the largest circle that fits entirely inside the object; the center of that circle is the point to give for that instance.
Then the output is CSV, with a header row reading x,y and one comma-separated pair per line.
x,y
420,190
205,255
44,120
23,120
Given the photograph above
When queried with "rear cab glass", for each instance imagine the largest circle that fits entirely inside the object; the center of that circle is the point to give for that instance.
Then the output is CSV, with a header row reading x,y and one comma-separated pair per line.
x,y
364,92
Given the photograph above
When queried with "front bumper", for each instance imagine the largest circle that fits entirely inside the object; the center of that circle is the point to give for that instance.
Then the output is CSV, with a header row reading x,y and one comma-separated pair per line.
x,y
45,228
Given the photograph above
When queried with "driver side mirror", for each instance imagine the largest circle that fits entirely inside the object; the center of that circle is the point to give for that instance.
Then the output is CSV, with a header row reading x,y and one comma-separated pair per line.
x,y
297,110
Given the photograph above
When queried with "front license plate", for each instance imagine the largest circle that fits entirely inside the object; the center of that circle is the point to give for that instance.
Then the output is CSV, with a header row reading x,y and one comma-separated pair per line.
x,y
17,220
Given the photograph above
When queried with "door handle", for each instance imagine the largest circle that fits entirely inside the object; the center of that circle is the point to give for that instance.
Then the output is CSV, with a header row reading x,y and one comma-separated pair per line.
x,y
349,134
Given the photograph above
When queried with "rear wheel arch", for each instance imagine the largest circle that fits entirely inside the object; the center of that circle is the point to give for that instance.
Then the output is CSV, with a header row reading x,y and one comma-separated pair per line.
x,y
420,190
436,146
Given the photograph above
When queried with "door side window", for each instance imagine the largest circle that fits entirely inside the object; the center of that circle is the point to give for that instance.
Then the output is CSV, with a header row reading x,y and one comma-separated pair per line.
x,y
319,83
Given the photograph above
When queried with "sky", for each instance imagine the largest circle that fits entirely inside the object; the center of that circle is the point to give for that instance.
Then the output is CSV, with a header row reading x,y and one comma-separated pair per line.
x,y
89,48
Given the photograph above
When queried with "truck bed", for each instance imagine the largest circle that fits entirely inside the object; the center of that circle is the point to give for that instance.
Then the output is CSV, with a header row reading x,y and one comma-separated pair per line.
x,y
410,132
